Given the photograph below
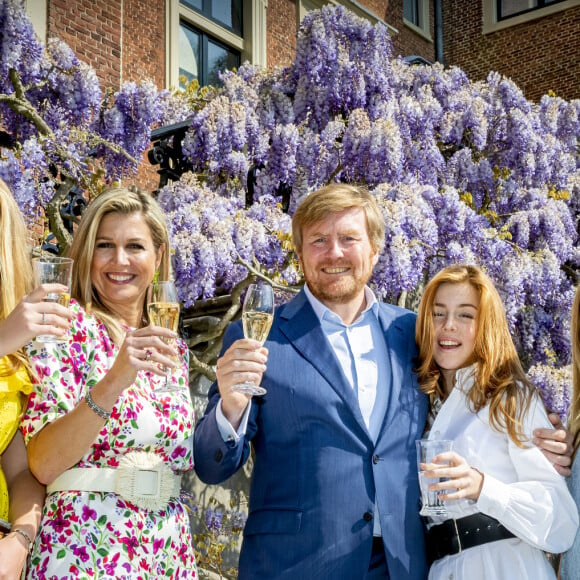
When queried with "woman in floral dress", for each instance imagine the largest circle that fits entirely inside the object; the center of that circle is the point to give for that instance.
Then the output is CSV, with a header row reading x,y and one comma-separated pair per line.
x,y
109,446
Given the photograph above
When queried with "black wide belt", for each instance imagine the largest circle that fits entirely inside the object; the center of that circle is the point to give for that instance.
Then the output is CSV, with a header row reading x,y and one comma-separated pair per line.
x,y
454,536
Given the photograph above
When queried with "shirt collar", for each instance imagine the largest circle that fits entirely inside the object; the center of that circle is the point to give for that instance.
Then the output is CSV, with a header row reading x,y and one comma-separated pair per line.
x,y
323,311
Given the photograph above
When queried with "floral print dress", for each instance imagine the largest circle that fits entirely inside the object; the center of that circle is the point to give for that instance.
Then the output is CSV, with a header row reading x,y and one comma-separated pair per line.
x,y
99,535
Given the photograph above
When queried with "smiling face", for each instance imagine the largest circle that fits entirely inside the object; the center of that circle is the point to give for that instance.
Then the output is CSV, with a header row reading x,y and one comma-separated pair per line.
x,y
455,310
337,259
124,262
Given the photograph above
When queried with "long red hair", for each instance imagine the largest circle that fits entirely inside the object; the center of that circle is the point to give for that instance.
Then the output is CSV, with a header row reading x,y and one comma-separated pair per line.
x,y
500,380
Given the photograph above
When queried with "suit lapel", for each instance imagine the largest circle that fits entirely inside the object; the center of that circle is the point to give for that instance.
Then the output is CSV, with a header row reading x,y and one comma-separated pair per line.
x,y
300,325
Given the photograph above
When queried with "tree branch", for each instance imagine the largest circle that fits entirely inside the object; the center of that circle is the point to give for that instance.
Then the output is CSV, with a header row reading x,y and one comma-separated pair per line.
x,y
255,273
21,105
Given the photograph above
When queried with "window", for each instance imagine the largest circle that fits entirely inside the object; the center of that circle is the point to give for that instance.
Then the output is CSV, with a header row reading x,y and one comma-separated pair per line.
x,y
227,13
509,8
411,12
502,14
202,57
416,16
208,36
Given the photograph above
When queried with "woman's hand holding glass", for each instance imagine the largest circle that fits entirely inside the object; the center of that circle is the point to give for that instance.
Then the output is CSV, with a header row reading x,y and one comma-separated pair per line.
x,y
151,348
163,309
456,478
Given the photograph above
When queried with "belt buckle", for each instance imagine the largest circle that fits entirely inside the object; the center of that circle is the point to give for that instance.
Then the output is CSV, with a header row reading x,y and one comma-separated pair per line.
x,y
458,536
145,481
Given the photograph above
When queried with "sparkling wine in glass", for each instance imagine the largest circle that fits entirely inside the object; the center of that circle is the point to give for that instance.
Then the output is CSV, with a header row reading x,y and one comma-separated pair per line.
x,y
163,310
257,317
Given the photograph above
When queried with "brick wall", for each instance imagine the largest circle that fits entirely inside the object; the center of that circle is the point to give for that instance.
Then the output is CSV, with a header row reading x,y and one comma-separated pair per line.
x,y
121,39
144,37
281,32
407,41
539,55
93,31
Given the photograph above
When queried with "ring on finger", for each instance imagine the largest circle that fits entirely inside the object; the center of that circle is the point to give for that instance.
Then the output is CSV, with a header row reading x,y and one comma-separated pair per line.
x,y
44,318
147,354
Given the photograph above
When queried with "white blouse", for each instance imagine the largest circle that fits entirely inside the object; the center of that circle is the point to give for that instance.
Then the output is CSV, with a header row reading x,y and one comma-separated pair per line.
x,y
521,489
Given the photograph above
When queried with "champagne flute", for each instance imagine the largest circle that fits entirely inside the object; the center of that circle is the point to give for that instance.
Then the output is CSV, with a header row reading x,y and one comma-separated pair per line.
x,y
257,317
163,310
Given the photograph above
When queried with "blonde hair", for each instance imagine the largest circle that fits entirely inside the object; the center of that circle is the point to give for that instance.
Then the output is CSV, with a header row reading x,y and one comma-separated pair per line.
x,y
113,200
15,269
333,199
500,380
574,423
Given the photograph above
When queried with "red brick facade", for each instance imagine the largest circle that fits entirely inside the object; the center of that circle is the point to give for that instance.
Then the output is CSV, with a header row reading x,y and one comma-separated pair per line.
x,y
126,40
539,55
281,32
121,39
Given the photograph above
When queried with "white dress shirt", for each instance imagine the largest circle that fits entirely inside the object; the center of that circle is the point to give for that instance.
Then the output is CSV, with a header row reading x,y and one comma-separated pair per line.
x,y
521,489
361,351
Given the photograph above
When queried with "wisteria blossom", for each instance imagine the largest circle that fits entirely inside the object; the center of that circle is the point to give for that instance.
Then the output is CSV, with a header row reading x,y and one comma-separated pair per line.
x,y
56,119
463,170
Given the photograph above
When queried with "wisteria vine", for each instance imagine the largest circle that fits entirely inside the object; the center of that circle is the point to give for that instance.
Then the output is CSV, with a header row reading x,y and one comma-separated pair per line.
x,y
464,171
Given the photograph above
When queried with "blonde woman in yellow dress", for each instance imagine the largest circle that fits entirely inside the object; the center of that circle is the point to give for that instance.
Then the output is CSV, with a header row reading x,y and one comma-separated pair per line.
x,y
22,317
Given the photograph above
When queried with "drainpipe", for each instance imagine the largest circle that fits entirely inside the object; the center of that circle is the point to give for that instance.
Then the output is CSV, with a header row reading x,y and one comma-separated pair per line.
x,y
439,31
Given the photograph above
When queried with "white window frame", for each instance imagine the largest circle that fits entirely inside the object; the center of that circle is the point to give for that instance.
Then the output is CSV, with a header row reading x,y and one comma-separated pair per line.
x,y
425,30
305,6
252,46
37,11
491,24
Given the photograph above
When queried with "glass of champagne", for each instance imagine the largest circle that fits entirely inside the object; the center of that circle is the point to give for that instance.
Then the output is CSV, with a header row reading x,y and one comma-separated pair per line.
x,y
163,310
53,270
257,317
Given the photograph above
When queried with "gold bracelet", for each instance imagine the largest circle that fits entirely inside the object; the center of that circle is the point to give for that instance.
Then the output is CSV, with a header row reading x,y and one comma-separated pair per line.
x,y
25,536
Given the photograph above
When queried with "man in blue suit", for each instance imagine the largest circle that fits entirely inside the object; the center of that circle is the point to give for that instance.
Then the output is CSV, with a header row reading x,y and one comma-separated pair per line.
x,y
334,491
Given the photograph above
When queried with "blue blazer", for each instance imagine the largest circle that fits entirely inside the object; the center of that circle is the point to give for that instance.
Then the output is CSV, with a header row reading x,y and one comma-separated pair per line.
x,y
317,473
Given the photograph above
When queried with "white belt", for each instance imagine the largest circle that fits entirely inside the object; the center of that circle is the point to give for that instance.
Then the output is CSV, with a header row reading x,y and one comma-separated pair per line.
x,y
142,479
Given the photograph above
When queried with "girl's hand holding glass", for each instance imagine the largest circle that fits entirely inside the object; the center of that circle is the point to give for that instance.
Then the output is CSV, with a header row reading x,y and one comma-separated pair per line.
x,y
34,316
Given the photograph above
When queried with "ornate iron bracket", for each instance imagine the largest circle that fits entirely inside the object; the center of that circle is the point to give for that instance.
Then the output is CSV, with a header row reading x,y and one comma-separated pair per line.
x,y
73,208
167,152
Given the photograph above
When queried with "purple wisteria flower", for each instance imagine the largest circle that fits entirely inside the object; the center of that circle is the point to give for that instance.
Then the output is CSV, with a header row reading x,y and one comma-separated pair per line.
x,y
463,171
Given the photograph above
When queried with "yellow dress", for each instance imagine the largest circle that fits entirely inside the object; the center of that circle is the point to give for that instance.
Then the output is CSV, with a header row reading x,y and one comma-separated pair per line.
x,y
13,384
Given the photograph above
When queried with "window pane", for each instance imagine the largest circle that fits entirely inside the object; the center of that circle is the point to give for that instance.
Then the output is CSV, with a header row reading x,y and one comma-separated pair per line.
x,y
411,11
511,7
219,58
228,14
189,49
195,4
